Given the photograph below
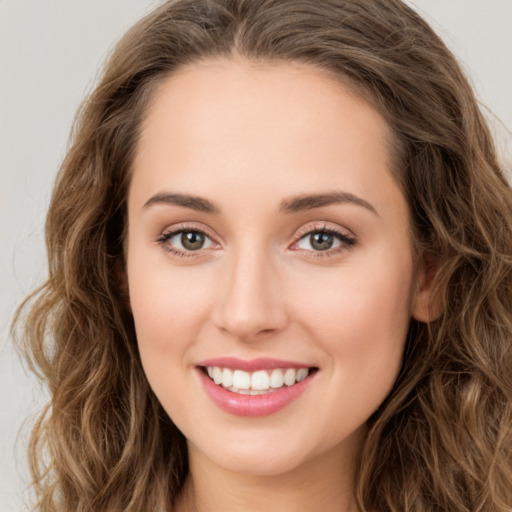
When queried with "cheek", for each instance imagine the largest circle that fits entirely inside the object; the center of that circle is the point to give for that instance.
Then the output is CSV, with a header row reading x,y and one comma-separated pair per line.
x,y
360,314
358,297
168,308
168,305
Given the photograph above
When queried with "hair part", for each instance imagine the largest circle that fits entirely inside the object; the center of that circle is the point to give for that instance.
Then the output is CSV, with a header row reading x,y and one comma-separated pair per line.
x,y
443,438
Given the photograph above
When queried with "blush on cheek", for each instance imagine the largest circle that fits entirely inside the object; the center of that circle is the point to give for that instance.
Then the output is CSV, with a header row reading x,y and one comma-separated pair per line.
x,y
168,302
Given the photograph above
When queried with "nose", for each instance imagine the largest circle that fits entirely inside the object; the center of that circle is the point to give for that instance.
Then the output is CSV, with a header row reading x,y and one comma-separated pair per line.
x,y
249,304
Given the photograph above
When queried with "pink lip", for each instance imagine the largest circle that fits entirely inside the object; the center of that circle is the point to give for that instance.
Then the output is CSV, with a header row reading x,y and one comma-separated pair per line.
x,y
252,405
253,365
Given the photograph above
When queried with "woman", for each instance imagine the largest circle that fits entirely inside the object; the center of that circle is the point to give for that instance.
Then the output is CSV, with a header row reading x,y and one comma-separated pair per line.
x,y
280,272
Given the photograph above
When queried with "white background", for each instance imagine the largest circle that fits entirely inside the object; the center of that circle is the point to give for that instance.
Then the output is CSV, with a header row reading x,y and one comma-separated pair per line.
x,y
50,52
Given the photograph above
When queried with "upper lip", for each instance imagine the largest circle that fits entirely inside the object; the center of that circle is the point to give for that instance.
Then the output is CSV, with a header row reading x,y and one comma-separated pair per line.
x,y
252,365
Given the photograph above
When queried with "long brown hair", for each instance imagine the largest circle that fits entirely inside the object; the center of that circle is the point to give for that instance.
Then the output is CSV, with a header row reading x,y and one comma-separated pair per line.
x,y
442,441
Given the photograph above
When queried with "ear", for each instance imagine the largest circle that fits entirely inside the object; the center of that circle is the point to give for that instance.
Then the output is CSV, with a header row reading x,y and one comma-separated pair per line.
x,y
427,304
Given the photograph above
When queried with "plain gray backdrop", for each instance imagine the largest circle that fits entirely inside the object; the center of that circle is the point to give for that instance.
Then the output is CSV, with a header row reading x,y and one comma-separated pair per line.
x,y
50,54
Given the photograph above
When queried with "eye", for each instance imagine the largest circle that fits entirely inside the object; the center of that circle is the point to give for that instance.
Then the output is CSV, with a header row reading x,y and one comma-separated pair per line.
x,y
319,241
182,241
323,240
191,240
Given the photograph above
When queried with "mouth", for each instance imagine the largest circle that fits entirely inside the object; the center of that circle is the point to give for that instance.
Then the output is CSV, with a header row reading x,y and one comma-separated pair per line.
x,y
260,382
255,387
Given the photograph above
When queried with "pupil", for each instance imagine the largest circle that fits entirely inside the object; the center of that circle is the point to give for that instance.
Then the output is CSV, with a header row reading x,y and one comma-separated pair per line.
x,y
321,241
192,240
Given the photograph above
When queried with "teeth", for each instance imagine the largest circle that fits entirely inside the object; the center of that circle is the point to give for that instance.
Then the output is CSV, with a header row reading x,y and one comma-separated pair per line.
x,y
241,379
260,380
289,377
217,375
302,373
256,383
227,378
276,379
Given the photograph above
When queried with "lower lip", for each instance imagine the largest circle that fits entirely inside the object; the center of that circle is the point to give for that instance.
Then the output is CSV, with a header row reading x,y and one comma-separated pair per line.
x,y
253,405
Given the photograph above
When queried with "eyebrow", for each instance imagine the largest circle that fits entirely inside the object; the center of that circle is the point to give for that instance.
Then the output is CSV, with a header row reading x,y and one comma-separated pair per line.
x,y
308,202
199,204
292,205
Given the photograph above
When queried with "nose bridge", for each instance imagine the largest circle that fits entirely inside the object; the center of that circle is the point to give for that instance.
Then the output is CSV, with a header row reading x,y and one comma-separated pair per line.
x,y
249,302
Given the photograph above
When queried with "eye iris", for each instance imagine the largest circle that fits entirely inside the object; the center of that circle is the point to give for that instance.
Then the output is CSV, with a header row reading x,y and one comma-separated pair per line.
x,y
321,241
192,240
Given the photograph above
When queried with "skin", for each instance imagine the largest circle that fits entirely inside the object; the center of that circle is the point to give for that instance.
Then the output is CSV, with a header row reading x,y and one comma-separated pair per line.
x,y
248,137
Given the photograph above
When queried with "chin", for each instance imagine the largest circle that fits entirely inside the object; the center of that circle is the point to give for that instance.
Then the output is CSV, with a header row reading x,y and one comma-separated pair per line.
x,y
264,453
260,464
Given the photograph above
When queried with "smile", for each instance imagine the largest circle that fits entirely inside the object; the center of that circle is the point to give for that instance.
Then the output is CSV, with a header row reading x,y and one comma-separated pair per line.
x,y
259,387
256,383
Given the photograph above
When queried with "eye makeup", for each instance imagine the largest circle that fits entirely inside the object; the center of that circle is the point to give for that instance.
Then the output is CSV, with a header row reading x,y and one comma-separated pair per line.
x,y
318,240
193,240
324,240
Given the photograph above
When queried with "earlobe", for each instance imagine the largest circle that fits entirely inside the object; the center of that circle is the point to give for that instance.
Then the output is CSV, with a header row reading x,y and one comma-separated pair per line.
x,y
427,304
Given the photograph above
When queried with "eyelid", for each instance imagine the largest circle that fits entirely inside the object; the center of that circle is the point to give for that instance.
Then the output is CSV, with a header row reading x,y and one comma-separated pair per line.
x,y
173,230
188,226
346,237
326,226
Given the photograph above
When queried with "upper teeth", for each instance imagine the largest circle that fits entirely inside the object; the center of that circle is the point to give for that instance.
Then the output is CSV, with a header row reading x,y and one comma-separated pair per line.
x,y
262,381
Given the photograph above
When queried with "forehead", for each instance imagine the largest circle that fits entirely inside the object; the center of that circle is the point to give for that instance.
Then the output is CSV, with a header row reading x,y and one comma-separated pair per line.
x,y
288,124
253,92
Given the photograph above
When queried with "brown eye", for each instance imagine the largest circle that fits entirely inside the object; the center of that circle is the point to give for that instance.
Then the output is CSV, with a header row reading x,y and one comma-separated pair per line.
x,y
325,242
186,242
321,241
192,240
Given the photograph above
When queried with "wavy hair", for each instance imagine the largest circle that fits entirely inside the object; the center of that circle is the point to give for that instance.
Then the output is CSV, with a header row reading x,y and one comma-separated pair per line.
x,y
442,440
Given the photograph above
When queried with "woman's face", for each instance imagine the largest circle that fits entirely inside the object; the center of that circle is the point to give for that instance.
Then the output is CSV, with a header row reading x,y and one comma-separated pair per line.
x,y
267,244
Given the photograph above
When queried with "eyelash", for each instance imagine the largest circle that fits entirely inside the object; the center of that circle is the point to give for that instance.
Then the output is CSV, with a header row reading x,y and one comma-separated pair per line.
x,y
164,238
347,241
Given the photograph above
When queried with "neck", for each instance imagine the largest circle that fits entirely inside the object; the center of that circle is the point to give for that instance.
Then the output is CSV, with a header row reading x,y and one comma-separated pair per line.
x,y
325,483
